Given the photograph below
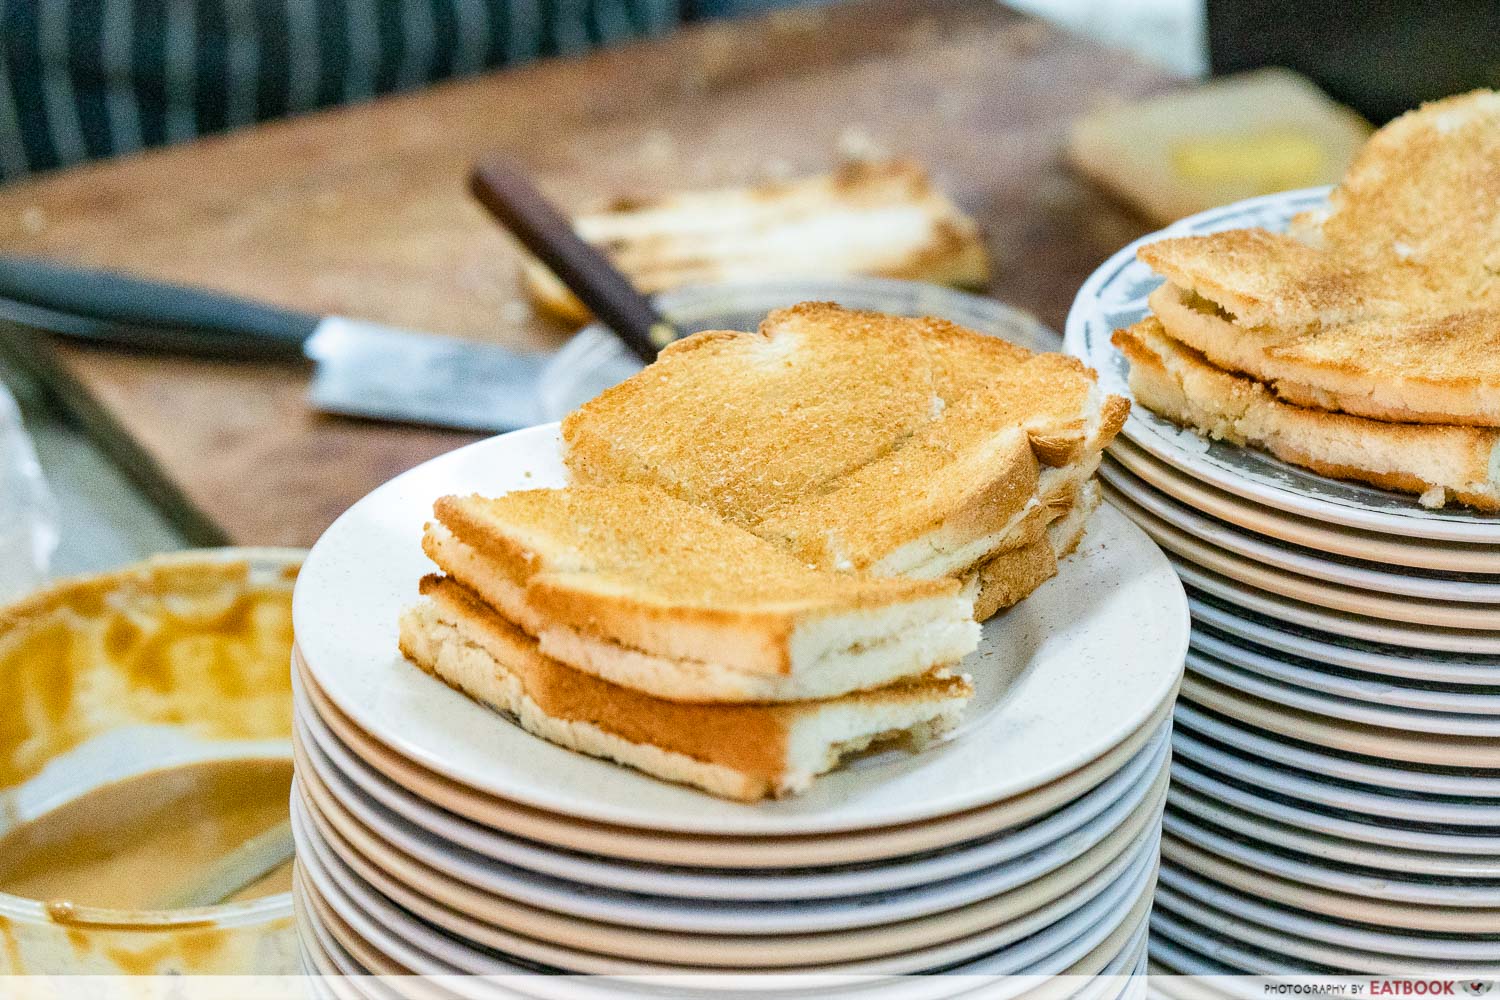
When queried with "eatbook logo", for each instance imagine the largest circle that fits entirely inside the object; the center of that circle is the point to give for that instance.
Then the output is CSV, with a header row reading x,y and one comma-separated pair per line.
x,y
1476,987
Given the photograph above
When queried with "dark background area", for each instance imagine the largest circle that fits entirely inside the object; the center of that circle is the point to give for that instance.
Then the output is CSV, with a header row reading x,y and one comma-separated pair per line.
x,y
1380,58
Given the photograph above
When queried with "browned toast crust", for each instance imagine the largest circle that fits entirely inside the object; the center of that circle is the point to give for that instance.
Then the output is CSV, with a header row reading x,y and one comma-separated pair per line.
x,y
1437,461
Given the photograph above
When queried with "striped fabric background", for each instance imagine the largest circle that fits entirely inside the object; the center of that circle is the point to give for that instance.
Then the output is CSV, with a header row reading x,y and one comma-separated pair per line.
x,y
81,79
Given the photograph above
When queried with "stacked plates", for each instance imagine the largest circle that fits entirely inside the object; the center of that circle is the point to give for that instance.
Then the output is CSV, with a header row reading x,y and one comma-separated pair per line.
x,y
436,837
1335,801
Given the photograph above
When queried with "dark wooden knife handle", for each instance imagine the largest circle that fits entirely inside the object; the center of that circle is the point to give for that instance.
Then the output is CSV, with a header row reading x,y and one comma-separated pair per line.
x,y
503,188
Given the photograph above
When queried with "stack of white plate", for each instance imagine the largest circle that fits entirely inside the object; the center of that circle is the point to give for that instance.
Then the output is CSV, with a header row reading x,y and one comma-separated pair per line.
x,y
1335,802
436,837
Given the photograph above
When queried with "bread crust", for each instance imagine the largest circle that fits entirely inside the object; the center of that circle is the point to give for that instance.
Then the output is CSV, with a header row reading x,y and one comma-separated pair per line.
x,y
1439,462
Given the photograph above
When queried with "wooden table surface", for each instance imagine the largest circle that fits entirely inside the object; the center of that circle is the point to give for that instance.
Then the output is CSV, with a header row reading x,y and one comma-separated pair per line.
x,y
364,212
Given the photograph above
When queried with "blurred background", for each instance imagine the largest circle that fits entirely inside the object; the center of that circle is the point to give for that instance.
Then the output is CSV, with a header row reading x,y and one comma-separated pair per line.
x,y
83,82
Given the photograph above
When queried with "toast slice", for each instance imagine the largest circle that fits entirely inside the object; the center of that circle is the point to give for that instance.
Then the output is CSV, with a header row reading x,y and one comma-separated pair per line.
x,y
662,596
877,218
1441,368
1385,305
744,752
1439,462
1260,279
998,428
1423,196
740,423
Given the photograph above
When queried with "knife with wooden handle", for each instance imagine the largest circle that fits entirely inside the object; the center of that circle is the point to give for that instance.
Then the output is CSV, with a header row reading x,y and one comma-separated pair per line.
x,y
504,189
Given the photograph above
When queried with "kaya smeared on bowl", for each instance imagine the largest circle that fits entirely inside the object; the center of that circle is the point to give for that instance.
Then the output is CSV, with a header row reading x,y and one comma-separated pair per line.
x,y
145,723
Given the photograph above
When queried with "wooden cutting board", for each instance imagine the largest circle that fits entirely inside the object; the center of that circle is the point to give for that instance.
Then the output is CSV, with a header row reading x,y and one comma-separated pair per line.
x,y
364,212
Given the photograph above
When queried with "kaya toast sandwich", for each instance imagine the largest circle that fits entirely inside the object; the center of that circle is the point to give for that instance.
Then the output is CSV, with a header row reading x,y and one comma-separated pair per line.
x,y
620,623
1385,305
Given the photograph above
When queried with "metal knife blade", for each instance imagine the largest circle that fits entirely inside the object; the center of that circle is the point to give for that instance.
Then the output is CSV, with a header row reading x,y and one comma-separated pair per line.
x,y
361,368
384,373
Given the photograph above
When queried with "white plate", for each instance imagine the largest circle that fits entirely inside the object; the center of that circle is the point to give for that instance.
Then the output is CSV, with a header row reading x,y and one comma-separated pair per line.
x,y
513,928
1175,960
1253,743
1114,296
1339,623
478,919
1342,683
1329,793
423,859
1319,593
348,893
1432,749
1153,509
1252,909
1166,927
415,957
1376,910
1425,665
731,853
1327,874
1234,928
1135,472
1322,703
1340,823
1402,863
1050,923
1056,685
608,890
1281,569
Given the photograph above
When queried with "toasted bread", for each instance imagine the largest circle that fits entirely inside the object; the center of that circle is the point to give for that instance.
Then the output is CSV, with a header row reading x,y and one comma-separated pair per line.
x,y
1423,197
1439,462
744,752
1442,368
976,428
656,594
1385,305
876,218
1264,279
740,423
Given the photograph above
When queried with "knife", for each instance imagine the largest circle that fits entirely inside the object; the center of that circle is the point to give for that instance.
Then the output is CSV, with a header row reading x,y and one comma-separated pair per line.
x,y
361,368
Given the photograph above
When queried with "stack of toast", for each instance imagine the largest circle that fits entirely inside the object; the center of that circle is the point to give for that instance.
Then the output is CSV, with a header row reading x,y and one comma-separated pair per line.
x,y
774,549
1365,343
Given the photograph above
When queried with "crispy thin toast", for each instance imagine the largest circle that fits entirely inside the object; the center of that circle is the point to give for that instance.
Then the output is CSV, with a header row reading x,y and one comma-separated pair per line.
x,y
1386,305
1442,368
1423,195
979,431
745,752
1439,462
656,594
